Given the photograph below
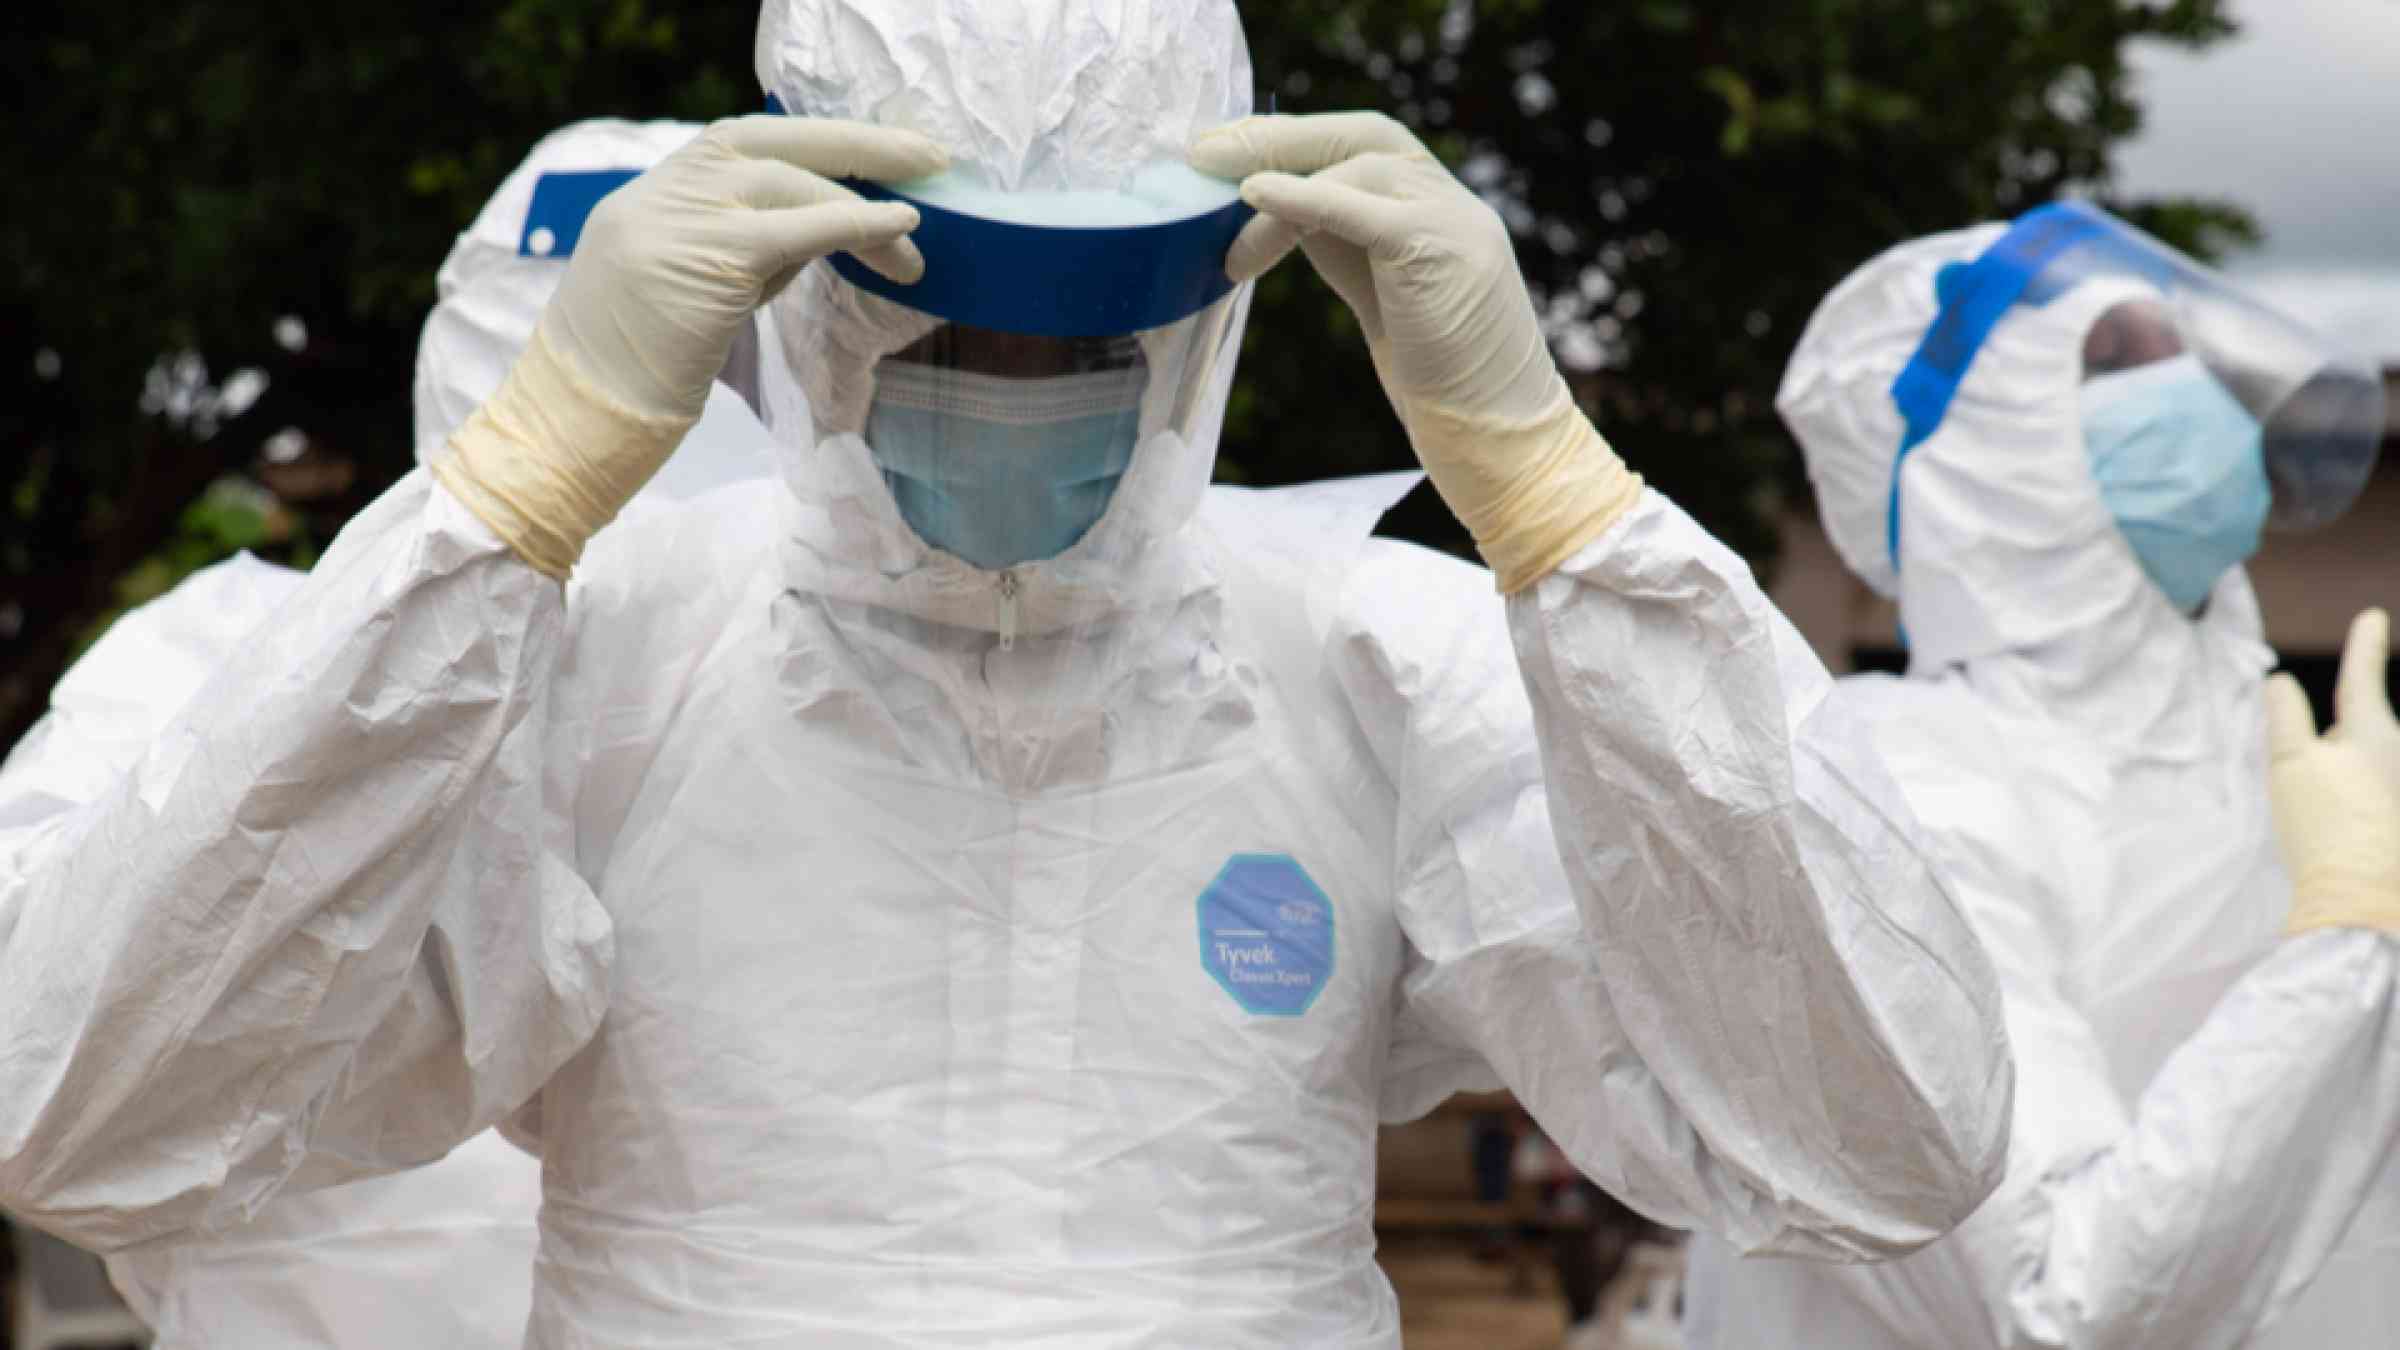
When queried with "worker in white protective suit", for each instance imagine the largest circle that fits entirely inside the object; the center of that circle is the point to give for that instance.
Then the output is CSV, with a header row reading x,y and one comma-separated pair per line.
x,y
2053,443
986,889
443,1254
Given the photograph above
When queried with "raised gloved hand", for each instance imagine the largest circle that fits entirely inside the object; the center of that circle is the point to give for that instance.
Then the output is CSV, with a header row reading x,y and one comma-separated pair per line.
x,y
1430,273
2337,796
2362,707
668,269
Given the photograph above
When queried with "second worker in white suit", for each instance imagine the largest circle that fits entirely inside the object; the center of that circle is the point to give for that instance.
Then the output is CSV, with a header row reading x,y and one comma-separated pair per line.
x,y
439,1255
2054,444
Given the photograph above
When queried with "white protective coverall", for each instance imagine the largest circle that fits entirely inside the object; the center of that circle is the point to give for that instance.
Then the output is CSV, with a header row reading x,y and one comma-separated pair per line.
x,y
437,1256
442,1254
849,958
2206,1110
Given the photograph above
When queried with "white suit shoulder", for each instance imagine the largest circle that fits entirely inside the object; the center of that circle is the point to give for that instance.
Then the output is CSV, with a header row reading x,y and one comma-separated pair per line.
x,y
1413,605
666,558
1422,651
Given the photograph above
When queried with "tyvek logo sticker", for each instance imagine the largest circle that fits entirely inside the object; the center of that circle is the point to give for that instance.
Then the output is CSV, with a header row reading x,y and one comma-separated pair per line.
x,y
1266,934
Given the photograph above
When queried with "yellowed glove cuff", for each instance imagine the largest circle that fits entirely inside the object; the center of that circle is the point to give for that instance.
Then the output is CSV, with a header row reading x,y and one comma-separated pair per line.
x,y
2329,898
548,459
1564,485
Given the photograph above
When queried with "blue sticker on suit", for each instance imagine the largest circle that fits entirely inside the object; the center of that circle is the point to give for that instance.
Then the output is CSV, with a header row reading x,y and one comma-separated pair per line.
x,y
1266,934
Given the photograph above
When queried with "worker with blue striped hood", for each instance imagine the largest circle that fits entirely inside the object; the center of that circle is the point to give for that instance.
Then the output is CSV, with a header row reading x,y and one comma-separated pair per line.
x,y
2054,443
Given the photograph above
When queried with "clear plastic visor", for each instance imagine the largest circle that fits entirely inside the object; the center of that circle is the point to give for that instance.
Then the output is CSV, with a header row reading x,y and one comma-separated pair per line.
x,y
1162,377
2320,408
1009,448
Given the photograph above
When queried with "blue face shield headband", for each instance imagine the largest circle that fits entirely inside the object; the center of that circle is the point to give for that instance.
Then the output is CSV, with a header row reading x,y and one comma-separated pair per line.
x,y
1062,264
1974,298
562,202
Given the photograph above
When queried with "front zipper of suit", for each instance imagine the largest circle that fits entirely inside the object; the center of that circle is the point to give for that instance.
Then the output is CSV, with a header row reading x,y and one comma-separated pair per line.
x,y
1008,611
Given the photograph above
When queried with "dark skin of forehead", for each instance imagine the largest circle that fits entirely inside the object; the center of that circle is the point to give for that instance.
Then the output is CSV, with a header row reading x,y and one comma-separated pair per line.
x,y
1013,355
2132,333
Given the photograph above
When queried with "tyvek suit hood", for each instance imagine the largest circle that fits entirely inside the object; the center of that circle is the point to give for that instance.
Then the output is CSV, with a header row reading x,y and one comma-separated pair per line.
x,y
1084,94
1028,94
2004,543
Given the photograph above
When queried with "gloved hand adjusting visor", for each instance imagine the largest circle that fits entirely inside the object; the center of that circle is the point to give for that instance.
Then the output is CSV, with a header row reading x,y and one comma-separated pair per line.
x,y
1076,325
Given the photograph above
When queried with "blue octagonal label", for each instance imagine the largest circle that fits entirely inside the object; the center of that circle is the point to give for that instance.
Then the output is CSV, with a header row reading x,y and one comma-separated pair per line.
x,y
1266,934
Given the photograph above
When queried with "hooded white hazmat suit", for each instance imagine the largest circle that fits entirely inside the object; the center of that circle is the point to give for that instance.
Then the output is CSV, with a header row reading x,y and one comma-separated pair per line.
x,y
2206,1110
865,972
443,1254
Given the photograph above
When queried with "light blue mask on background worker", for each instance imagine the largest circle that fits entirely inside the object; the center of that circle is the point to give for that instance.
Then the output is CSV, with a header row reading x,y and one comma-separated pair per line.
x,y
1002,471
2181,468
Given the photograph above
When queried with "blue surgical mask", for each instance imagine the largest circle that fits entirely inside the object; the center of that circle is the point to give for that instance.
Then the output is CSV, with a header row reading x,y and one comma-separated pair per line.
x,y
2181,468
1002,471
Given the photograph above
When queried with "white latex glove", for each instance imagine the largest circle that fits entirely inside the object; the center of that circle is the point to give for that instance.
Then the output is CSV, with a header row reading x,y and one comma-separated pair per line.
x,y
2337,796
2362,705
1430,273
668,269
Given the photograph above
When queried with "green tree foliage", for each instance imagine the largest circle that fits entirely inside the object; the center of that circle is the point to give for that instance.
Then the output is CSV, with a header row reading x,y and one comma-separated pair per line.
x,y
1686,180
191,183
203,189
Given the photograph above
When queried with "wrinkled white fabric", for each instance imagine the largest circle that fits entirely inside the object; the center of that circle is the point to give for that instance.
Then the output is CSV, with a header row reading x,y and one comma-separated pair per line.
x,y
441,1255
438,1256
906,1049
1035,94
2206,1113
917,1030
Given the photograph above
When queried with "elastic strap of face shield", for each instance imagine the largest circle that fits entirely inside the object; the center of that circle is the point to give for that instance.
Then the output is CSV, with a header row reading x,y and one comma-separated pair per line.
x,y
1974,298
